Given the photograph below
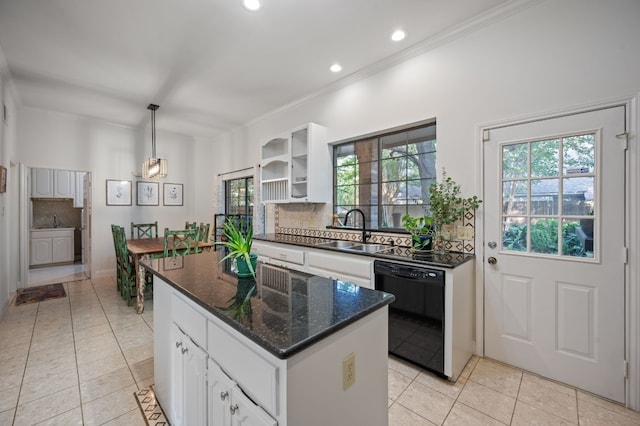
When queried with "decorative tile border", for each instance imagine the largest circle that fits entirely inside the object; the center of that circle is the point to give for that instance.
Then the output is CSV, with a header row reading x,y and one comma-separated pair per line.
x,y
150,407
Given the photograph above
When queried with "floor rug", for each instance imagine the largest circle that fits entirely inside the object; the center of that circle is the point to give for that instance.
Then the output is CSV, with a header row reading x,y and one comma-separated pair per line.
x,y
40,293
150,407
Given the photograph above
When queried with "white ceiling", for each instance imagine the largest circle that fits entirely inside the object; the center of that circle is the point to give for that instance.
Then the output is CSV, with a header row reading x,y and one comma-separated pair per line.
x,y
211,65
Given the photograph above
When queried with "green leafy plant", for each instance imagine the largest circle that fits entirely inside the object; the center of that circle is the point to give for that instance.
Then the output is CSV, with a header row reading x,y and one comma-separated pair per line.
x,y
237,240
446,204
421,230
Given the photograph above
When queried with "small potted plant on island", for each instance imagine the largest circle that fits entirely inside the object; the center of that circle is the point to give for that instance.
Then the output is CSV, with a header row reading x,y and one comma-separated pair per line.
x,y
446,207
237,241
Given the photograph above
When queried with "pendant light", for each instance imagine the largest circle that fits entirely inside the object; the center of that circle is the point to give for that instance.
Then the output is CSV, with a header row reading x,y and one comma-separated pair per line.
x,y
154,167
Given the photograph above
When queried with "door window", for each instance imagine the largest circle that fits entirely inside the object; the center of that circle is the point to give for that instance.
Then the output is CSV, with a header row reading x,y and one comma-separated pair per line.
x,y
549,196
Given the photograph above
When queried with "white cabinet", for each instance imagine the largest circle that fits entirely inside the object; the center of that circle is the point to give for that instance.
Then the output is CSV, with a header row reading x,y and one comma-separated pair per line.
x,y
51,246
296,167
78,199
41,183
340,266
189,383
228,405
50,183
286,256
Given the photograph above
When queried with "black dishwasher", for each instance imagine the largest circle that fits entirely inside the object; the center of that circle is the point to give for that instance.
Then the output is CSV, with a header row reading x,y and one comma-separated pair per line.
x,y
416,317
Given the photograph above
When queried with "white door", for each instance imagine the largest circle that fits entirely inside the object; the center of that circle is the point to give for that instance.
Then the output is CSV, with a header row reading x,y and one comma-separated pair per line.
x,y
554,198
86,224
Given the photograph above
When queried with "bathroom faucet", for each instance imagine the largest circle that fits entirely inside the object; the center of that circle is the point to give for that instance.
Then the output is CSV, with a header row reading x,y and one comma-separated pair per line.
x,y
365,233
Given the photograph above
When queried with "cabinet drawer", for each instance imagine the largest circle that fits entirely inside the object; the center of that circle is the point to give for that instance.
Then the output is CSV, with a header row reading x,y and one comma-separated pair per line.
x,y
278,252
353,265
257,377
190,321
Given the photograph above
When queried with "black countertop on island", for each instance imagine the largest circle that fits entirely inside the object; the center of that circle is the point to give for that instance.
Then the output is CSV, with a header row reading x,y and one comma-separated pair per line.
x,y
449,259
283,311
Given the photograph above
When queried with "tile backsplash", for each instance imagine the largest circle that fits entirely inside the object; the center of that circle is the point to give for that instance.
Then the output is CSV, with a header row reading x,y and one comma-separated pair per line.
x,y
311,220
66,215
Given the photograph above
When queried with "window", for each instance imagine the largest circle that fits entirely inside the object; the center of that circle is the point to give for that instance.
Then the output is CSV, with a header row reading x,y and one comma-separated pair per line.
x,y
239,196
386,176
549,194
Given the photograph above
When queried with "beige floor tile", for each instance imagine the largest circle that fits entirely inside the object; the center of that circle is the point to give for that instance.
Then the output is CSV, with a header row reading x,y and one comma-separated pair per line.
x,y
466,371
398,383
9,398
403,367
47,407
497,376
6,417
88,344
47,342
525,414
132,337
594,415
132,418
50,354
81,323
10,379
402,416
552,397
139,353
13,364
426,402
104,385
488,401
45,371
109,407
92,331
145,383
441,385
462,415
100,367
608,405
71,417
142,370
36,389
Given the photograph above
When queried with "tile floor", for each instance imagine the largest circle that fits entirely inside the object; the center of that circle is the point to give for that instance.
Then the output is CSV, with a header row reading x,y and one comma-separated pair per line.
x,y
78,360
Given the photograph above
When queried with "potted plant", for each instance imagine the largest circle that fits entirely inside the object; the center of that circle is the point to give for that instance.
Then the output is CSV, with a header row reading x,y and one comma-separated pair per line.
x,y
446,207
421,231
237,241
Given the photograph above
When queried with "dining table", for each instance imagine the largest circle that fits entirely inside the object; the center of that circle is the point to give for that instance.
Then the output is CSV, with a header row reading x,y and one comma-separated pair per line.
x,y
151,247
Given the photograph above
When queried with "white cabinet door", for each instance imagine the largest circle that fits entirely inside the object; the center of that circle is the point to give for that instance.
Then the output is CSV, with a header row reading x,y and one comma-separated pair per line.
x,y
64,184
62,249
78,199
219,387
41,183
195,385
245,413
176,409
40,251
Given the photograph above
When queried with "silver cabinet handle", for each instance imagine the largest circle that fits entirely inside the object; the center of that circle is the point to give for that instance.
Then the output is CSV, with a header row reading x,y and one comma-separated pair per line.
x,y
224,395
233,409
178,344
184,350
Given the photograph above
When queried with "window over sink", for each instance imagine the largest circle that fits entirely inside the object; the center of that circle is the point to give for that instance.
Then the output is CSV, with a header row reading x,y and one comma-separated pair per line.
x,y
386,175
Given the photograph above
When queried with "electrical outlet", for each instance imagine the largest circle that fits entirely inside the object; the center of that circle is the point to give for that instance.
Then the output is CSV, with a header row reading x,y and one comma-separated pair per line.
x,y
465,233
348,371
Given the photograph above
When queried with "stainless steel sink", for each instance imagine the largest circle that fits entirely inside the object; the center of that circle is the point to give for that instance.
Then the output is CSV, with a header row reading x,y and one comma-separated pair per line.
x,y
337,244
369,248
355,246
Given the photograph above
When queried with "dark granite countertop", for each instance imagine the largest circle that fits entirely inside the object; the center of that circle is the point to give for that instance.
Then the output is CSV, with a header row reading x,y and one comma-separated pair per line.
x,y
449,260
283,311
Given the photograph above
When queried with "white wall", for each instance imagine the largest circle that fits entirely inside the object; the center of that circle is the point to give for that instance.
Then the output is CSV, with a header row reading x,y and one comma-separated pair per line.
x,y
61,141
553,55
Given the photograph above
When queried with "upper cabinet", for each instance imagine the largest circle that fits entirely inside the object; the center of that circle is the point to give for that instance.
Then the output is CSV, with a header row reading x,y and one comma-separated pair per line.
x,y
50,183
296,167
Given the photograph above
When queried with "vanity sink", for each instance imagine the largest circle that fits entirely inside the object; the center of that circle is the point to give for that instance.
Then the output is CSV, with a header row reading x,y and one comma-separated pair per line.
x,y
337,244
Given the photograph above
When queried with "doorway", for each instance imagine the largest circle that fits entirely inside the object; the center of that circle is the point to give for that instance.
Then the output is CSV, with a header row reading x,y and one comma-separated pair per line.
x,y
554,231
65,213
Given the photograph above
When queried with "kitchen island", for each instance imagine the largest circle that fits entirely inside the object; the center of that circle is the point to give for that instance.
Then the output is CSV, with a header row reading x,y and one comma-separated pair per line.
x,y
285,348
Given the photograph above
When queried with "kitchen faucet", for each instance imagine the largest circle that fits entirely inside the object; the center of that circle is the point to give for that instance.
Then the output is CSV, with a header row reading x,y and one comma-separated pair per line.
x,y
365,233
55,221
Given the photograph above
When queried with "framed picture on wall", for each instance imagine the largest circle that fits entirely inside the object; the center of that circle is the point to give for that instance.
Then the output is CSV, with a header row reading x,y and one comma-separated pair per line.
x,y
118,192
172,194
3,179
148,193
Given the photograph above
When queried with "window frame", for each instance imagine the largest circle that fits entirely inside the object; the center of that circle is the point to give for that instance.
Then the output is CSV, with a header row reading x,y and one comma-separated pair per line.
x,y
248,198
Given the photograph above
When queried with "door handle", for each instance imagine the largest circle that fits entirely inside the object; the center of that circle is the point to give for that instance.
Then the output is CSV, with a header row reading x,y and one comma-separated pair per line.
x,y
492,260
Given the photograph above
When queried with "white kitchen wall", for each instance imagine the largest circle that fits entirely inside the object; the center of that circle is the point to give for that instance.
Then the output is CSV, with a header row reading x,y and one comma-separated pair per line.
x,y
56,140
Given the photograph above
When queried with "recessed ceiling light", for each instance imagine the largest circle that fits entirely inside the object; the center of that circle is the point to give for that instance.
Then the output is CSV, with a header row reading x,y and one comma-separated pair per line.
x,y
336,68
398,35
251,4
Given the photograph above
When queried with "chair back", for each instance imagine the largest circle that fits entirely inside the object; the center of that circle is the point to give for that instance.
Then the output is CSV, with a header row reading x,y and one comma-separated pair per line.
x,y
144,230
183,242
190,225
203,232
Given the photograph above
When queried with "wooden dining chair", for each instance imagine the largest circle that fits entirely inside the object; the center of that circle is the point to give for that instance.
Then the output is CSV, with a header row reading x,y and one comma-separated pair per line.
x,y
190,225
126,270
114,233
180,242
203,232
144,230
